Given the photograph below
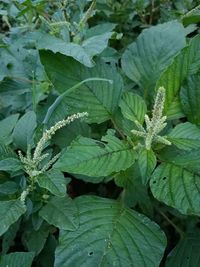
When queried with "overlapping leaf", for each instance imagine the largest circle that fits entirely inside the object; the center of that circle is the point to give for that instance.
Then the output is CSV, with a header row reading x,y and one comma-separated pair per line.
x,y
98,98
110,235
89,157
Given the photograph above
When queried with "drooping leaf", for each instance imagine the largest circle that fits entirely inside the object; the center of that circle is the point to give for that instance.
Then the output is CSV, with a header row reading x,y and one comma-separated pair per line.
x,y
83,53
185,63
177,187
133,107
110,235
144,60
6,127
147,163
99,98
190,98
89,157
134,191
186,253
61,212
54,181
24,129
35,240
8,187
9,236
185,136
10,212
16,259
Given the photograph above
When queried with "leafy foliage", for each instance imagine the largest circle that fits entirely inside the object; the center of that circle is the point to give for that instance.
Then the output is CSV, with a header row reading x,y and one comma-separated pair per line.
x,y
99,133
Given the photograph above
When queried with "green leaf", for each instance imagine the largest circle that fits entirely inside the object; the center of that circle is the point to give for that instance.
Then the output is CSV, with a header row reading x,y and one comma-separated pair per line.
x,y
190,98
10,212
133,107
185,63
6,128
89,157
144,60
96,44
186,253
17,259
54,181
177,187
10,164
61,212
24,129
134,191
99,98
110,235
35,240
147,163
8,187
81,52
185,136
9,236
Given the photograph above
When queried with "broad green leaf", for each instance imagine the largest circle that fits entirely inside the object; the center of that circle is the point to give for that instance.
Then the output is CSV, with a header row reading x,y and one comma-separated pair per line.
x,y
8,187
48,42
99,98
186,253
185,63
47,255
67,134
6,152
190,98
188,159
185,136
6,128
177,187
96,44
110,235
147,163
81,52
133,107
54,181
144,60
89,157
61,212
10,212
10,164
100,29
24,129
17,259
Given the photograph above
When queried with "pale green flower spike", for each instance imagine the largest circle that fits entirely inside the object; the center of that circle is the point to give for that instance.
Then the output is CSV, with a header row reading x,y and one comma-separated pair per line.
x,y
32,162
154,125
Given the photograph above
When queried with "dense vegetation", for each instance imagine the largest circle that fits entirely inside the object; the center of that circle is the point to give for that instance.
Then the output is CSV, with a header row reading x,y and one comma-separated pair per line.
x,y
99,133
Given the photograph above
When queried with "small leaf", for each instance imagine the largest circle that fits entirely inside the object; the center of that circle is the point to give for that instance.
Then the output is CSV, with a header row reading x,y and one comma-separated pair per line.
x,y
133,107
110,235
24,129
89,157
185,136
10,212
54,181
17,259
61,212
147,163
